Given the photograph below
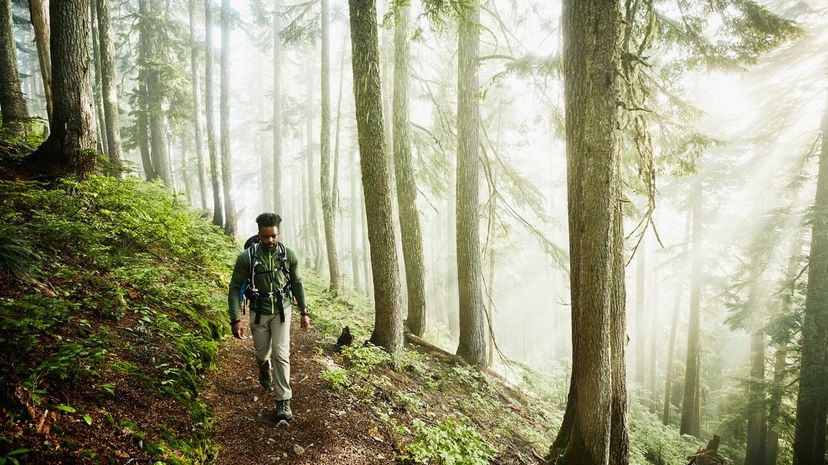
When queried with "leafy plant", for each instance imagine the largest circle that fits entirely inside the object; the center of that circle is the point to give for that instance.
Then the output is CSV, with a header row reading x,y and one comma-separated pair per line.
x,y
451,442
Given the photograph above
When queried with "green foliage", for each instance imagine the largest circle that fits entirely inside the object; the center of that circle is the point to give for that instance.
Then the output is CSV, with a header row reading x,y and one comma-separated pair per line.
x,y
123,252
338,377
653,443
451,442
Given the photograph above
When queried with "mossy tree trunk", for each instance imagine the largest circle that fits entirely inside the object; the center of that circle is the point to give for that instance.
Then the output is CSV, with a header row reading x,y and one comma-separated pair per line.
x,y
70,146
328,213
376,179
593,431
412,237
12,102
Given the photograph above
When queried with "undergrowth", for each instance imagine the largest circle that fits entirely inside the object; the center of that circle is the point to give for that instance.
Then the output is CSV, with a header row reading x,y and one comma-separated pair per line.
x,y
111,304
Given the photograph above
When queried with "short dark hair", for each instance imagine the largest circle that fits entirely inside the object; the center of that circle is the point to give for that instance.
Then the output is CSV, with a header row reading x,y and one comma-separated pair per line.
x,y
266,220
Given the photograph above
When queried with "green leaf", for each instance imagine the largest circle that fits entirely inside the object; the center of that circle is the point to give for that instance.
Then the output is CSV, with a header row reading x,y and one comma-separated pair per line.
x,y
17,452
66,408
87,419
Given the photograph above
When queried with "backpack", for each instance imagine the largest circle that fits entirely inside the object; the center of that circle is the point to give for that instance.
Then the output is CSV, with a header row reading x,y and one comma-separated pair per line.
x,y
248,289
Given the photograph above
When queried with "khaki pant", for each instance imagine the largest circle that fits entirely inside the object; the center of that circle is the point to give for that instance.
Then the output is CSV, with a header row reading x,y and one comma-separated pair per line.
x,y
271,341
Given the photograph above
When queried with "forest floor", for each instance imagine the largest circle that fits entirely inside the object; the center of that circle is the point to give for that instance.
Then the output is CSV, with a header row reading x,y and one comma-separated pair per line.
x,y
358,426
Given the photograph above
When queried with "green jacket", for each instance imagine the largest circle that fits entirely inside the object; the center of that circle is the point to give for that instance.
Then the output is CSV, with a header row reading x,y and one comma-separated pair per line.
x,y
269,279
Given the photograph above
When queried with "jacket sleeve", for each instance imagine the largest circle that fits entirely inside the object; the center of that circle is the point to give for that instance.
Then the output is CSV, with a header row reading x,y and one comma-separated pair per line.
x,y
240,272
296,286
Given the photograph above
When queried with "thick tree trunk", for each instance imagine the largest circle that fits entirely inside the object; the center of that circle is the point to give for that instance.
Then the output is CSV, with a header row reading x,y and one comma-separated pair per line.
x,y
690,408
71,143
109,85
277,108
202,178
328,213
472,344
591,34
155,97
218,217
224,113
376,179
39,12
412,238
12,102
809,440
619,437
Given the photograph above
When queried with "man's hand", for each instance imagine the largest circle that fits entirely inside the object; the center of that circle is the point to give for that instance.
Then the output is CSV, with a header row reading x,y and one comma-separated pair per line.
x,y
304,323
238,329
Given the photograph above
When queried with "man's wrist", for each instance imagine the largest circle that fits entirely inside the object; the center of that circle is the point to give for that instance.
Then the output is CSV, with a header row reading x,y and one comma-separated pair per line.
x,y
233,322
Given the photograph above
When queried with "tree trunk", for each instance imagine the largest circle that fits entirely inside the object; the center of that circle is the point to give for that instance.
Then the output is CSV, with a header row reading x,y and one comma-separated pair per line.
x,y
619,437
202,179
226,170
39,12
356,221
328,213
109,88
366,248
690,408
71,143
809,440
472,344
671,350
376,179
591,37
218,217
757,426
12,102
654,347
312,225
412,238
277,108
155,97
185,170
100,126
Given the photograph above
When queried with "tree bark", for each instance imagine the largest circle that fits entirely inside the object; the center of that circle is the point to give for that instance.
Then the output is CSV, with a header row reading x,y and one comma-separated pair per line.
x,y
12,102
218,217
690,408
671,350
109,88
69,149
619,437
202,179
412,238
591,36
376,179
328,214
640,320
277,107
356,221
155,96
809,439
224,113
39,12
472,344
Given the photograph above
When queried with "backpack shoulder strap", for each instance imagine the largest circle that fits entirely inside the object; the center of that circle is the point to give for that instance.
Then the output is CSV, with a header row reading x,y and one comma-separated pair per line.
x,y
251,254
283,261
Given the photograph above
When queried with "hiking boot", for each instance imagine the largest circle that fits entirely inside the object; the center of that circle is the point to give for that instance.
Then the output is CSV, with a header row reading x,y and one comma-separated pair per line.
x,y
265,377
283,410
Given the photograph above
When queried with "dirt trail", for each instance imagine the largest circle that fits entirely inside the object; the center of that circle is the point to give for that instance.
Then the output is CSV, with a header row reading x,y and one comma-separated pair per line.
x,y
327,428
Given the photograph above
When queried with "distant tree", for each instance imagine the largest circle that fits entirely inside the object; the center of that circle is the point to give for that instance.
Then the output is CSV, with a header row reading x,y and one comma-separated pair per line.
x,y
593,428
812,404
277,107
12,103
375,175
202,181
412,237
97,98
224,113
218,217
39,12
70,147
328,213
150,41
472,345
109,84
690,404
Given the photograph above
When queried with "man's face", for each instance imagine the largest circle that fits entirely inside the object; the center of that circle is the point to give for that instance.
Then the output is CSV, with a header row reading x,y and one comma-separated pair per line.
x,y
268,236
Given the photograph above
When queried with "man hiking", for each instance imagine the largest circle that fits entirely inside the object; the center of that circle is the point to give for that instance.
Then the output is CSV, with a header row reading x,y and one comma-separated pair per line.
x,y
271,273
